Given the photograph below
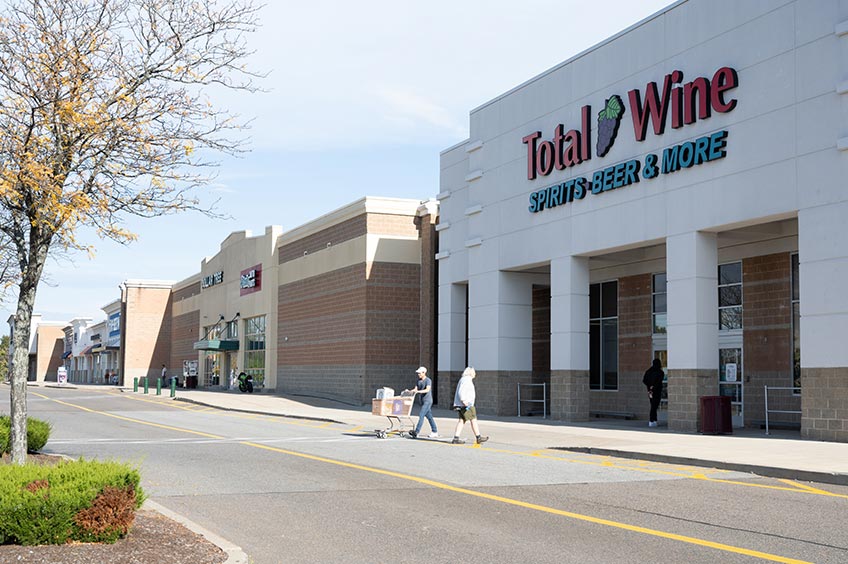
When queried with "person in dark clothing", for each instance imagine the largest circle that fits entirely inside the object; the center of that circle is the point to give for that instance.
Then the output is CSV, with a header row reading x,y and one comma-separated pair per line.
x,y
653,380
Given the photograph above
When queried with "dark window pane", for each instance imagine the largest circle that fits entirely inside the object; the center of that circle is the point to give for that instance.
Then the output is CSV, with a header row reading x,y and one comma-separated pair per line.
x,y
609,299
730,273
796,341
730,318
730,296
795,294
610,354
660,323
659,283
595,355
659,303
594,301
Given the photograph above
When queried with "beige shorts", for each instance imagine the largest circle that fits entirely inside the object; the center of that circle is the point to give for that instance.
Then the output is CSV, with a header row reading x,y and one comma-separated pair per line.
x,y
467,413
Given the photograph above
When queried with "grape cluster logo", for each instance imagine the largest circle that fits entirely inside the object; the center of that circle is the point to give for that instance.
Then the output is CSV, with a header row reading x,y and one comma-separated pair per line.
x,y
608,121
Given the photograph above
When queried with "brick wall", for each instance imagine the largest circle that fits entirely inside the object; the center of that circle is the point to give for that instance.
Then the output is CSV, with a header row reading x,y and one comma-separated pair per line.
x,y
767,338
147,332
321,334
427,293
184,333
50,346
386,224
541,330
344,231
634,349
187,292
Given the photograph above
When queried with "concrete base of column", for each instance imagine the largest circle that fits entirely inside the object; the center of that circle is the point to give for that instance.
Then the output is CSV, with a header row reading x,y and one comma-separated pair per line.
x,y
685,387
447,387
497,390
824,404
570,395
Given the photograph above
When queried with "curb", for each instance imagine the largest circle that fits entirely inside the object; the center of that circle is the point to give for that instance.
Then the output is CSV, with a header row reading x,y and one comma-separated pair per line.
x,y
765,471
235,555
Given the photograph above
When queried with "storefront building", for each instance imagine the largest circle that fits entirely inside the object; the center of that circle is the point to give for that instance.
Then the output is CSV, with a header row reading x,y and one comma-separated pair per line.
x,y
337,307
356,299
676,192
46,345
224,318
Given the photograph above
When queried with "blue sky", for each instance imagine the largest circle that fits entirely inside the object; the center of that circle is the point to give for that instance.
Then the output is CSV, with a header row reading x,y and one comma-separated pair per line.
x,y
360,99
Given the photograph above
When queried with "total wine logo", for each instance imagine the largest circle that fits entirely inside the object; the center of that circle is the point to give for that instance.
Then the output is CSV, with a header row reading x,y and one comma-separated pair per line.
x,y
678,102
683,103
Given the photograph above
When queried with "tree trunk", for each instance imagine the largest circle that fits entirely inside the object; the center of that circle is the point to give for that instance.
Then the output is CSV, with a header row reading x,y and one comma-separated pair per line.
x,y
20,343
20,372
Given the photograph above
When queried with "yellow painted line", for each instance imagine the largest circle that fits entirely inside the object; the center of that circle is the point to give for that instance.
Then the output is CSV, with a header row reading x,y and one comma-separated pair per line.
x,y
448,487
536,507
805,487
355,429
607,461
131,420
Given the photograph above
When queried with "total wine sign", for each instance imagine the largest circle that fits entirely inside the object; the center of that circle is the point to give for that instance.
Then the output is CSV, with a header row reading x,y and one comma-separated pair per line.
x,y
676,102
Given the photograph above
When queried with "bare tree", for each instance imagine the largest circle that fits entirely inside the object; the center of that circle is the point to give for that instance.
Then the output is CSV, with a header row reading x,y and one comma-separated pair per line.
x,y
105,113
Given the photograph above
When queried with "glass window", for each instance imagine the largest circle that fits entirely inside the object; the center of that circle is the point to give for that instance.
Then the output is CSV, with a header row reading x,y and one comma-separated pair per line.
x,y
730,296
254,340
660,306
796,325
603,336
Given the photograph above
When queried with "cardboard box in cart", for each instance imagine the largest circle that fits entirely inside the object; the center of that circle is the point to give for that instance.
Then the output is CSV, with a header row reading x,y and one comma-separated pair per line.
x,y
395,406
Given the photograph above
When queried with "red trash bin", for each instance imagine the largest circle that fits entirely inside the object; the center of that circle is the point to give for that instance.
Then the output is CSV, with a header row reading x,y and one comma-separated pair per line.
x,y
715,415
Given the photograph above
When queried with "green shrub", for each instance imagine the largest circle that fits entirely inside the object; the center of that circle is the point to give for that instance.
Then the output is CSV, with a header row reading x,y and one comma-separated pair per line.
x,y
80,500
38,433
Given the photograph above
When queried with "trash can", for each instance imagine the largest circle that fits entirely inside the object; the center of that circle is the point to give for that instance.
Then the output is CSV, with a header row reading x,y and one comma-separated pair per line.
x,y
715,415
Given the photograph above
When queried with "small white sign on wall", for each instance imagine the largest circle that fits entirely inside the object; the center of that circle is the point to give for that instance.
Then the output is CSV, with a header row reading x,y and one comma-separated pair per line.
x,y
730,372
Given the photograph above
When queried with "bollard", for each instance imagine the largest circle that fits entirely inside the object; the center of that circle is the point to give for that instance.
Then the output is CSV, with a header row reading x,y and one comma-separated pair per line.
x,y
135,384
173,387
146,385
158,386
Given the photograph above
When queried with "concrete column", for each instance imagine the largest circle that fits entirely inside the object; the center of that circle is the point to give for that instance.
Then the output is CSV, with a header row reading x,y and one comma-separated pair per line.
x,y
823,271
570,338
500,337
691,264
452,338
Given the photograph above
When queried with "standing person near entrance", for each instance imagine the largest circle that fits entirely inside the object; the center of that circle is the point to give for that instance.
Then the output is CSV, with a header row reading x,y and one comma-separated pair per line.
x,y
463,402
424,390
653,380
164,373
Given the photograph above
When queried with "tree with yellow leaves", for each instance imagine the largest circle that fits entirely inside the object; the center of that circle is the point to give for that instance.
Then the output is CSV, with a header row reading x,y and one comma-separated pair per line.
x,y
104,114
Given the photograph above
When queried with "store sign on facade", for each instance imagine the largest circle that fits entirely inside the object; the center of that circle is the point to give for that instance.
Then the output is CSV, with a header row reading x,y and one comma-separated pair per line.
x,y
113,325
250,280
682,104
212,280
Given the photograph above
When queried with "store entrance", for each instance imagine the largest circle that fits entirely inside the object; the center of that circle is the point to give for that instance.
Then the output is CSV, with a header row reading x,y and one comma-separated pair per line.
x,y
731,381
662,411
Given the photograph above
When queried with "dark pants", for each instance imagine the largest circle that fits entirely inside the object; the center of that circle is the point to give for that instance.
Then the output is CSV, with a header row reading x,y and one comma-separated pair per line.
x,y
656,398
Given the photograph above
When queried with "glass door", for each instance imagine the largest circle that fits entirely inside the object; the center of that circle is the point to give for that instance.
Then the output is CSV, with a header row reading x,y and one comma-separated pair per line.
x,y
730,381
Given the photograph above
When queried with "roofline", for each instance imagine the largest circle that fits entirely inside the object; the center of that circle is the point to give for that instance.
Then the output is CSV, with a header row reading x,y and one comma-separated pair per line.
x,y
577,56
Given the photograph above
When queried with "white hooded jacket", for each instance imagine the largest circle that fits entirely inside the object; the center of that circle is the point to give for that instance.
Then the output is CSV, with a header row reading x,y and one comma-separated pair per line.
x,y
466,395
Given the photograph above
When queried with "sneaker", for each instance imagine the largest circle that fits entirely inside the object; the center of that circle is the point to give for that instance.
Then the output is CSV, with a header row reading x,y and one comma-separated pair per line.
x,y
458,441
481,439
433,435
413,434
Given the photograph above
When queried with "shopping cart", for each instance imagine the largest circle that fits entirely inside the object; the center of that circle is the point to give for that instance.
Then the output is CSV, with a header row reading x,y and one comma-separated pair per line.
x,y
398,410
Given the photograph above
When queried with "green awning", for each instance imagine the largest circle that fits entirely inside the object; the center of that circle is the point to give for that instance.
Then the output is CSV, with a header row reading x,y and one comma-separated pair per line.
x,y
217,345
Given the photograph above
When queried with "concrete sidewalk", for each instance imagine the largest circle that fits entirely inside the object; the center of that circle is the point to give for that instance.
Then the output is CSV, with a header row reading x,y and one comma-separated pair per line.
x,y
780,455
